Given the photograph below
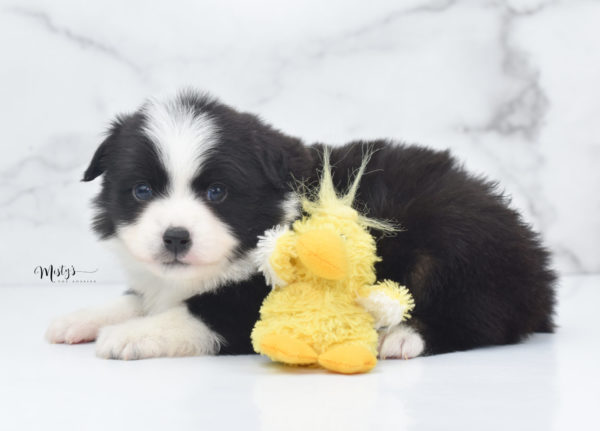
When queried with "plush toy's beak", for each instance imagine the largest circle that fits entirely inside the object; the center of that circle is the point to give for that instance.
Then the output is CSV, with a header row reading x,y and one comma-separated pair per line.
x,y
323,252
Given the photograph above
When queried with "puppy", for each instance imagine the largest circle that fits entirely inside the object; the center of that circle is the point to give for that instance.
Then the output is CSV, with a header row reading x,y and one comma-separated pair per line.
x,y
190,184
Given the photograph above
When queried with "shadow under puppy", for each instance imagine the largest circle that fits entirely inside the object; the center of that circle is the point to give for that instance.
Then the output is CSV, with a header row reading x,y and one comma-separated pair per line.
x,y
189,184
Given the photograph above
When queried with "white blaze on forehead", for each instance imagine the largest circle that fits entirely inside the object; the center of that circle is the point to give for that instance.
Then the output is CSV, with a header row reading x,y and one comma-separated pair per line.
x,y
182,137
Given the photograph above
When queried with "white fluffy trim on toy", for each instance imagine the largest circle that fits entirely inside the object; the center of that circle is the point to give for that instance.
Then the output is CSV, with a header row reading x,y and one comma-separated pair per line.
x,y
262,254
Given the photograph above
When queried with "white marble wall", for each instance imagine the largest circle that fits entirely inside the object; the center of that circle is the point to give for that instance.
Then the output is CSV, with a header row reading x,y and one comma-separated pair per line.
x,y
512,87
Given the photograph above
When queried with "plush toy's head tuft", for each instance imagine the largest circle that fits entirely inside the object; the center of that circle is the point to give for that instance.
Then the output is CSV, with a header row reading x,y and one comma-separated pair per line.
x,y
327,201
333,239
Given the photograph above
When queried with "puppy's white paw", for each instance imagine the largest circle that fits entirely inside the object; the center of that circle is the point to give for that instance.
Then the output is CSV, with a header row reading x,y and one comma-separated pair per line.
x,y
126,341
402,342
172,333
78,327
83,326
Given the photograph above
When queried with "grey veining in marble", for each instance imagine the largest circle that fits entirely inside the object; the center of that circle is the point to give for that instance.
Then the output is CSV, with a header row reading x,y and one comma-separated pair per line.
x,y
511,87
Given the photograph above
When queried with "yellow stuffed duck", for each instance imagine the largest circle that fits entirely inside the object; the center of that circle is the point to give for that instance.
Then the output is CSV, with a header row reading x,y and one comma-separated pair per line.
x,y
325,306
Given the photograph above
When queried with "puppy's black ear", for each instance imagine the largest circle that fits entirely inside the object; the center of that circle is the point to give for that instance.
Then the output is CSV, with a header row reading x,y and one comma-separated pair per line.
x,y
274,165
283,158
99,161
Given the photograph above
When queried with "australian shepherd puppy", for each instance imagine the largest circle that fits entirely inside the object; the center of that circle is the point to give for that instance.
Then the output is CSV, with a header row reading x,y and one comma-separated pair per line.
x,y
188,186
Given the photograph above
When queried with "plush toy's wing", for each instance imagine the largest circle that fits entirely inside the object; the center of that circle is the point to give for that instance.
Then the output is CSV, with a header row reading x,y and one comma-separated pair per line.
x,y
388,303
273,256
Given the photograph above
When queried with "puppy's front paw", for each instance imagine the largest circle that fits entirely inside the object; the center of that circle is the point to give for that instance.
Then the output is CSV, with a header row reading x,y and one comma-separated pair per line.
x,y
402,342
83,325
78,327
127,342
172,333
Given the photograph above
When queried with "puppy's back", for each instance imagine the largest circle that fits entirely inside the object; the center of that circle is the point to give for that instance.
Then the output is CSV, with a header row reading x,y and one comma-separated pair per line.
x,y
478,272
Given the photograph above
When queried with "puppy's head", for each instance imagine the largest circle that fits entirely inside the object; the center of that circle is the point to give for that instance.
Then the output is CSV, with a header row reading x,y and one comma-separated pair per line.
x,y
190,183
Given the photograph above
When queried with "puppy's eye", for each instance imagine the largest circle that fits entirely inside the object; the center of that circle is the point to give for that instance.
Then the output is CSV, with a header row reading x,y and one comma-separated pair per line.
x,y
142,192
216,193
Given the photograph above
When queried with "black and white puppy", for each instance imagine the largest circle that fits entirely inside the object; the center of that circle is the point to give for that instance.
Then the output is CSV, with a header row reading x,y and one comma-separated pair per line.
x,y
190,184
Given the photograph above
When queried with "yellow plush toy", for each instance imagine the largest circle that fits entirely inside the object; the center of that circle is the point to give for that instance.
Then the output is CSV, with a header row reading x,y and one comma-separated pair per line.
x,y
325,307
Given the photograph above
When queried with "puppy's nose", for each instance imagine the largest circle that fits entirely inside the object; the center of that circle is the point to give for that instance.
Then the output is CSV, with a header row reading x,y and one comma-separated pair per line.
x,y
177,240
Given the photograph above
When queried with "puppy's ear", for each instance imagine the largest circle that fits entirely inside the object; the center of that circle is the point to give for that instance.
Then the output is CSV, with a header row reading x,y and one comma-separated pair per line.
x,y
99,161
282,158
274,165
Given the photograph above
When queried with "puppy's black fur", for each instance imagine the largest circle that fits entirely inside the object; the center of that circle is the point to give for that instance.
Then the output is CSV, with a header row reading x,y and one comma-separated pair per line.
x,y
126,157
478,273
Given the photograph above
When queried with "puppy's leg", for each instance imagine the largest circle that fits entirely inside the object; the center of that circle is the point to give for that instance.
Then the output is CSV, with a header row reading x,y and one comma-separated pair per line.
x,y
83,325
400,342
174,332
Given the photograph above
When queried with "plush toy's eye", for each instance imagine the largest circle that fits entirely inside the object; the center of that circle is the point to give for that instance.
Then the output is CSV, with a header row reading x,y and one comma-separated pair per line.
x,y
216,193
142,192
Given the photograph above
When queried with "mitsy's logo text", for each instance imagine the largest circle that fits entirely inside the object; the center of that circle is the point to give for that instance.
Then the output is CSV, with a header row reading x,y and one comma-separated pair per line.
x,y
63,274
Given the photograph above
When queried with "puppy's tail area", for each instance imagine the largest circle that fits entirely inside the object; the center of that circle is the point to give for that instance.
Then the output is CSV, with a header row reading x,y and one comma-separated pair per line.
x,y
546,326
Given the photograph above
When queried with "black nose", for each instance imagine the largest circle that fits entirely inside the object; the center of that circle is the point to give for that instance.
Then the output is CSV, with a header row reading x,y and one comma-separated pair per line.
x,y
177,240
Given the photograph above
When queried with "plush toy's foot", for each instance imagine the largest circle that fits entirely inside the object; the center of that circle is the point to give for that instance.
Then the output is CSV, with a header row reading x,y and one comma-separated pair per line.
x,y
348,359
289,350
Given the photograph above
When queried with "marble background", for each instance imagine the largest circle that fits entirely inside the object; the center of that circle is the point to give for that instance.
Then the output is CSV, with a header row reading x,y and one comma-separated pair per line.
x,y
512,87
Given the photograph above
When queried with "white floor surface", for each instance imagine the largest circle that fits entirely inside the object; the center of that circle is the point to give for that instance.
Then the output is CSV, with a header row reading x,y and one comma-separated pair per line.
x,y
550,382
